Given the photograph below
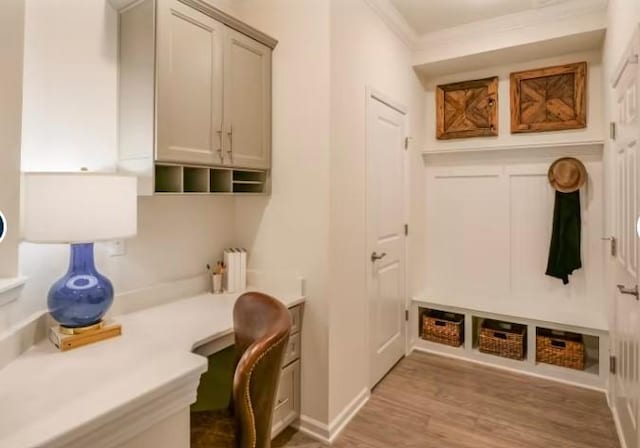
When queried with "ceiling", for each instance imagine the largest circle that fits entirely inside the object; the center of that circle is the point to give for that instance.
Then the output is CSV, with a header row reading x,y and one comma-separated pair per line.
x,y
426,16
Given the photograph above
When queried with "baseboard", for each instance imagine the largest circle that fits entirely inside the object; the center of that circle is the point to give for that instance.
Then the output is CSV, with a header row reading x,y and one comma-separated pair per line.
x,y
518,371
616,422
328,433
313,428
351,410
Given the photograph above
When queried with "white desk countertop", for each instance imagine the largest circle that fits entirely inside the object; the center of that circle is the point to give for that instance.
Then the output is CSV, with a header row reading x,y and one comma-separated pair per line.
x,y
54,399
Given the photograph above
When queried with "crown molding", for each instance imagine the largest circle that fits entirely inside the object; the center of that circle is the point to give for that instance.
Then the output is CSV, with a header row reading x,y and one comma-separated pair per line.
x,y
531,18
395,21
208,9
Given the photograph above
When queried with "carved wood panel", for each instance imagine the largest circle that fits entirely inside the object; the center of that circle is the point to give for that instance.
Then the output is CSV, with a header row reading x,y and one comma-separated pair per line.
x,y
549,99
467,109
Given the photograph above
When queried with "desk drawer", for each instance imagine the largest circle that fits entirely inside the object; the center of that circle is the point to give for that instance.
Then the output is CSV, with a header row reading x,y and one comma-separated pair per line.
x,y
287,408
296,316
293,349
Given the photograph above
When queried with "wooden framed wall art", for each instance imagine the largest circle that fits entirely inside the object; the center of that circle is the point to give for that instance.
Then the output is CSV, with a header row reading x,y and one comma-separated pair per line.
x,y
467,109
549,99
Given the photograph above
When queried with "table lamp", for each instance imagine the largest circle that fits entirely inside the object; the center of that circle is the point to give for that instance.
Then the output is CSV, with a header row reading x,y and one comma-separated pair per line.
x,y
79,209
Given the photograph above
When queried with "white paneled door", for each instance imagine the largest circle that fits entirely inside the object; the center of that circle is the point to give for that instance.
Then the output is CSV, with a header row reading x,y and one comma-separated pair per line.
x,y
385,235
625,334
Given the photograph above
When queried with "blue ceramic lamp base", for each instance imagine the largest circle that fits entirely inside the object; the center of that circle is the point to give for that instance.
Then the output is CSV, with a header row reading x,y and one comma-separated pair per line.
x,y
79,300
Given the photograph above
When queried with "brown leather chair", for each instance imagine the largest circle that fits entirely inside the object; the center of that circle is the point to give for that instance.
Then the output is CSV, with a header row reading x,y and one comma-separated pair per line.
x,y
262,325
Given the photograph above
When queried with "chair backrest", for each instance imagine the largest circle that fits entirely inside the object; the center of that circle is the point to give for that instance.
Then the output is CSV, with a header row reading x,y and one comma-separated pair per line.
x,y
262,325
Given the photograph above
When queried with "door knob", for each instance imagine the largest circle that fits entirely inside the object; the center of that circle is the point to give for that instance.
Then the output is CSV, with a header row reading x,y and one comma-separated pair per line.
x,y
375,257
630,291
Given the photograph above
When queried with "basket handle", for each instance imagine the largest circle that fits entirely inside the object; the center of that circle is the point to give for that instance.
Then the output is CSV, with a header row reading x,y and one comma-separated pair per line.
x,y
440,323
558,344
499,335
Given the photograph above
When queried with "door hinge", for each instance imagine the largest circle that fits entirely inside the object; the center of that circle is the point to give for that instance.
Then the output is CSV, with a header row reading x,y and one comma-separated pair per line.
x,y
406,143
613,363
406,315
612,130
406,230
614,246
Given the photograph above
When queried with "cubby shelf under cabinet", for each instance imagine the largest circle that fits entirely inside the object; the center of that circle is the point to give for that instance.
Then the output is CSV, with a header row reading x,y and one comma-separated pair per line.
x,y
197,180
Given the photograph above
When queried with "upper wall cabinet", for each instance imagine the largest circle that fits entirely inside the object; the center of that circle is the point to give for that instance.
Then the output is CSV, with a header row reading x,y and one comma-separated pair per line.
x,y
190,85
195,89
247,101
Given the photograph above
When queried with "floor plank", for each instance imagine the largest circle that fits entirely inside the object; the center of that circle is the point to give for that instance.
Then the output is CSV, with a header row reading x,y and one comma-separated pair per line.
x,y
433,401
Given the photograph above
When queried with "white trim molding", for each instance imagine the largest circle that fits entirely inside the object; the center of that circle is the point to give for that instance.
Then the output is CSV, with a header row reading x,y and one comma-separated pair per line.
x,y
327,434
530,18
313,428
395,21
10,289
573,21
616,422
341,420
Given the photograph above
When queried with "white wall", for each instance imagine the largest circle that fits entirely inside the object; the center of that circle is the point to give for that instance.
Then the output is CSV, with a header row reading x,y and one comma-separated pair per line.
x,y
11,55
70,76
289,230
364,52
70,121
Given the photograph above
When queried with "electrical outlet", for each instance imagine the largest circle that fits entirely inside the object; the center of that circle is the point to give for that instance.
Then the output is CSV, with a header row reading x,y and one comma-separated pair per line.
x,y
118,248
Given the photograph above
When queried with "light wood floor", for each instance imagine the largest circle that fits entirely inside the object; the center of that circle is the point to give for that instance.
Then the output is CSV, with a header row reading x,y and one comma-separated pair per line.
x,y
431,401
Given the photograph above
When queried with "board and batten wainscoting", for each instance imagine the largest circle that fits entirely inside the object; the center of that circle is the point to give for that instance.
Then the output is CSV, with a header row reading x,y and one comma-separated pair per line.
x,y
488,228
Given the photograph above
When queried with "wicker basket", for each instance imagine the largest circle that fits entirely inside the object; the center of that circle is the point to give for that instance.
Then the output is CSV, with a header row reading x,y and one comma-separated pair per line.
x,y
503,339
560,348
443,328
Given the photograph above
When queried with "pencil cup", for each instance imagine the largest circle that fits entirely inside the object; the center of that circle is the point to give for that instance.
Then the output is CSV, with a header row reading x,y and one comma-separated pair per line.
x,y
216,283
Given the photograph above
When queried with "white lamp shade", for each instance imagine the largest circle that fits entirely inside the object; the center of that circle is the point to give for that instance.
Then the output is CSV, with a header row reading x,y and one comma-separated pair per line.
x,y
78,207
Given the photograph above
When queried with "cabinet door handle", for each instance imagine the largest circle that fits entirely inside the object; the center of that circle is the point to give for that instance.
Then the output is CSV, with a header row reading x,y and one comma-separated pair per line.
x,y
220,154
375,257
230,150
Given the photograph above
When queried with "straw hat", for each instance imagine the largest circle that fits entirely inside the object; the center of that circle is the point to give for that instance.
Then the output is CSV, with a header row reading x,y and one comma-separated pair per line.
x,y
567,175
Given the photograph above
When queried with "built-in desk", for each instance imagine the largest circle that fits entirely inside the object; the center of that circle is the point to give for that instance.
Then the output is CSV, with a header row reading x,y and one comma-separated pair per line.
x,y
131,391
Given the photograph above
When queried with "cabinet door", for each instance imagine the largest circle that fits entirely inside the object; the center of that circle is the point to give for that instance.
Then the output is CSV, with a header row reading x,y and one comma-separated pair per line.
x,y
247,102
287,408
189,92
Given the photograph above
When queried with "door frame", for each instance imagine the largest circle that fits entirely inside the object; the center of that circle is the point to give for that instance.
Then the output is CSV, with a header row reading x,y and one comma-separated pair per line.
x,y
373,94
630,52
